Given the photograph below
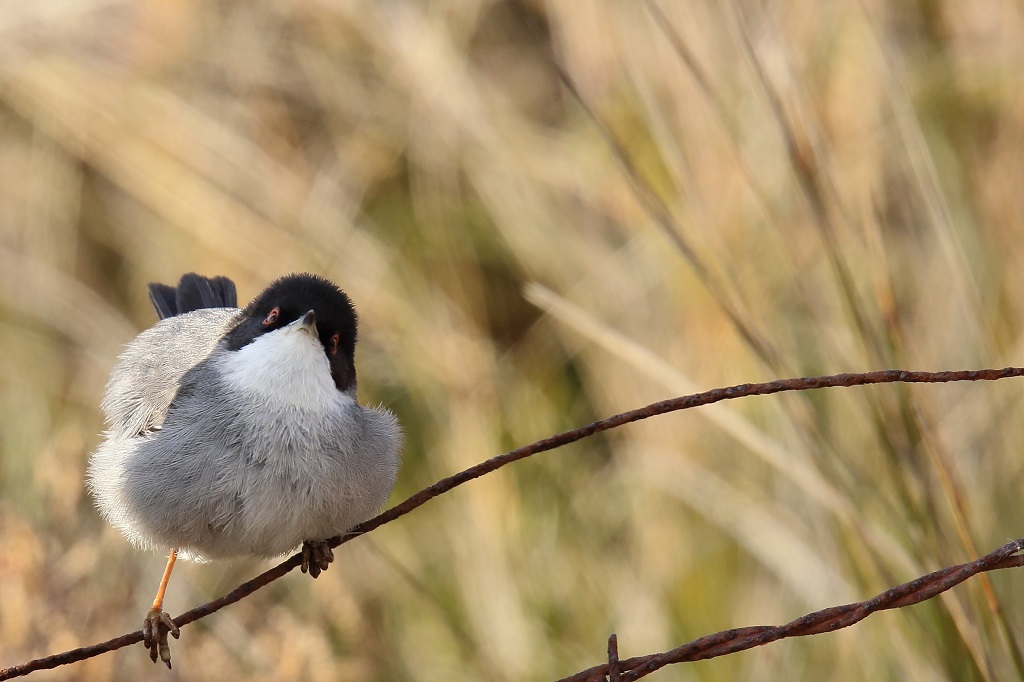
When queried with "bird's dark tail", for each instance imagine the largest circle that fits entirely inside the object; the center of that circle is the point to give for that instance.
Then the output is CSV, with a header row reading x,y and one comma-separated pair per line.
x,y
192,293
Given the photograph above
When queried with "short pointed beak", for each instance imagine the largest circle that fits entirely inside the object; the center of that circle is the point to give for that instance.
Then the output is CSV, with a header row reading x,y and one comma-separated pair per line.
x,y
306,323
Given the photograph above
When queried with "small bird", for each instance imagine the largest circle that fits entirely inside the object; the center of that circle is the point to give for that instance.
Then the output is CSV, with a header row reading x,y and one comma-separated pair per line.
x,y
236,432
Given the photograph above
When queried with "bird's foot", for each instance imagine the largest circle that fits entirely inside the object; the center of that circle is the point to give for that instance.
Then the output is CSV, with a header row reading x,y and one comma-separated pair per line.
x,y
317,555
154,635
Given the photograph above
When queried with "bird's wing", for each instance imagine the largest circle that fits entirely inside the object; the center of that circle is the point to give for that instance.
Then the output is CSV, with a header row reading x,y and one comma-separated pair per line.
x,y
148,374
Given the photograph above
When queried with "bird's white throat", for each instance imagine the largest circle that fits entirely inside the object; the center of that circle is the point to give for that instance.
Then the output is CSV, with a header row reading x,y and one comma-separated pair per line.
x,y
287,366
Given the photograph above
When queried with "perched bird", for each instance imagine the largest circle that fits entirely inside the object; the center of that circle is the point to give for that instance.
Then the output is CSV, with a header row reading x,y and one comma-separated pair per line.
x,y
237,432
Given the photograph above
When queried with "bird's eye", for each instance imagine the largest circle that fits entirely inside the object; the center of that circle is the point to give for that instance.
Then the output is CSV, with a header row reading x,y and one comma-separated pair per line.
x,y
271,317
332,347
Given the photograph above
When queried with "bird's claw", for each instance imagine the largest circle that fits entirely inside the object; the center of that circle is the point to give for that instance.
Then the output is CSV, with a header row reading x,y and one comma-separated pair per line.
x,y
154,635
317,555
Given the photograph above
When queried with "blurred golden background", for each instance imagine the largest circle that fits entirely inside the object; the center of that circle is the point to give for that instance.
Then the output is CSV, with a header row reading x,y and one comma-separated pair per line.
x,y
727,192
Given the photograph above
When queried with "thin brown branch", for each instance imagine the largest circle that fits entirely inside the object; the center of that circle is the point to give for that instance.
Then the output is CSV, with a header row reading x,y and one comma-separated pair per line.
x,y
550,443
826,620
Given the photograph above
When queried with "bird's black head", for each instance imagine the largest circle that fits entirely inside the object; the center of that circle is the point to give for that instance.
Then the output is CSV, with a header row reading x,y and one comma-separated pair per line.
x,y
288,299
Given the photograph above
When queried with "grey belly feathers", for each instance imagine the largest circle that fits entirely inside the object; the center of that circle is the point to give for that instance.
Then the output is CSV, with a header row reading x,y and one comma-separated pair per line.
x,y
193,464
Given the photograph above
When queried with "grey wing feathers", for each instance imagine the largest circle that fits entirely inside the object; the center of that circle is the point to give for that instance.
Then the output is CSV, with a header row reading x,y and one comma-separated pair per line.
x,y
148,373
193,292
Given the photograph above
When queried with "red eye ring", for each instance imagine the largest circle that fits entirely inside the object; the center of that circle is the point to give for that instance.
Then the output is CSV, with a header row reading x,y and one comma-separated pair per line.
x,y
271,317
333,348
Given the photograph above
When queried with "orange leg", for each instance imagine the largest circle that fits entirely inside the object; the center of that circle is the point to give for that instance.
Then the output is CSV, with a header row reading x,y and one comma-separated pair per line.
x,y
158,603
158,622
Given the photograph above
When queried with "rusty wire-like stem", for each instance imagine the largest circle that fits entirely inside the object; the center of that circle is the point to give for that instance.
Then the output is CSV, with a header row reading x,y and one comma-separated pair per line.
x,y
571,436
826,620
613,659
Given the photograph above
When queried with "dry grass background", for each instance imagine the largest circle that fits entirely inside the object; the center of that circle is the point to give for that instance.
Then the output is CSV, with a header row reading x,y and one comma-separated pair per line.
x,y
812,188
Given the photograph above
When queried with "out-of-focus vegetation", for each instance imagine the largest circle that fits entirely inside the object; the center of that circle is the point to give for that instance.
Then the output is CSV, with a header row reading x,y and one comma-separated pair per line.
x,y
807,188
